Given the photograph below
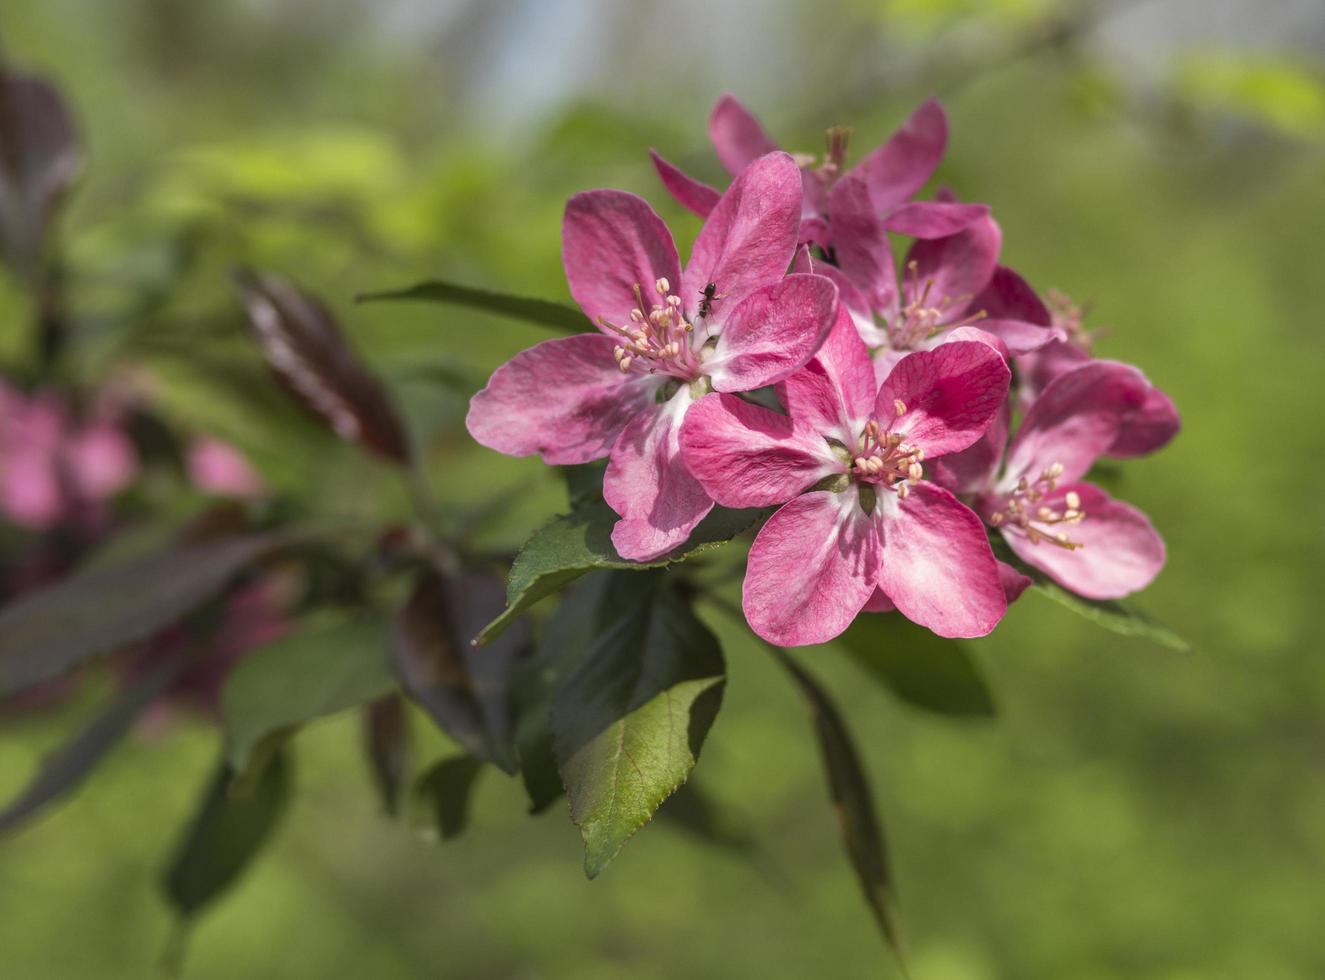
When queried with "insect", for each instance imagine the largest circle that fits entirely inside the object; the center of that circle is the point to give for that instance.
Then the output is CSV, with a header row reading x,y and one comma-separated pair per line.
x,y
710,293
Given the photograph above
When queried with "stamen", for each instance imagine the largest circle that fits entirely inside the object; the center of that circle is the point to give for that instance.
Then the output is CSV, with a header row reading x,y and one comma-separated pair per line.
x,y
1021,510
899,407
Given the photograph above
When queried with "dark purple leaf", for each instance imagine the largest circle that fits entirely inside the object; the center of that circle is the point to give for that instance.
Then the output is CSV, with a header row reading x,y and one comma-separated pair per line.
x,y
387,744
546,313
308,353
442,795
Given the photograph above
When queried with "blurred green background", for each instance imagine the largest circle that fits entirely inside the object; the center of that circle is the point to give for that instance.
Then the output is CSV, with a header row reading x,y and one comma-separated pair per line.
x,y
1131,813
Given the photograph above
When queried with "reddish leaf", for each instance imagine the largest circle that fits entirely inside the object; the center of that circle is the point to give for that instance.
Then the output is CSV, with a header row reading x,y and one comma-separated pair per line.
x,y
387,744
311,357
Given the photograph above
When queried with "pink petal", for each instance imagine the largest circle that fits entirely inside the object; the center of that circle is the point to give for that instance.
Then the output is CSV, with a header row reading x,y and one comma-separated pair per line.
x,y
860,309
1150,427
880,603
811,569
1014,583
933,219
900,167
833,395
32,496
950,272
612,242
691,194
1010,297
647,483
937,566
746,455
215,466
564,399
974,468
750,236
773,332
1020,336
737,135
1074,420
101,460
948,396
859,243
1036,369
1122,552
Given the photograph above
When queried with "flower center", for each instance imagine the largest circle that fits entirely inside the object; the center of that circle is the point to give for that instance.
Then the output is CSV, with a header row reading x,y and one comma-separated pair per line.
x,y
1070,318
925,315
885,460
656,341
1023,510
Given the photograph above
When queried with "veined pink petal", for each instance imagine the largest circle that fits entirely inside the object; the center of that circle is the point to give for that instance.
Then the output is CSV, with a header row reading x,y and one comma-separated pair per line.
x,y
1074,420
737,135
900,167
745,455
862,315
833,395
933,219
773,332
1014,583
564,399
647,483
1010,297
947,396
880,603
1150,427
974,468
693,195
811,569
937,567
750,236
1020,336
1122,552
950,272
611,242
859,244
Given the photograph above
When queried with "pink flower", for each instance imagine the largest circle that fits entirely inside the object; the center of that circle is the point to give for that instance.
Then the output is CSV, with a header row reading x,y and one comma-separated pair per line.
x,y
1073,531
736,322
1150,427
53,469
217,467
861,527
890,175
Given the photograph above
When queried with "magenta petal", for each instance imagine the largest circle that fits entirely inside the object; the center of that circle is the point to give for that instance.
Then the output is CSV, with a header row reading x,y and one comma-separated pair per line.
x,y
1010,297
811,569
737,135
1036,369
933,219
860,245
938,568
859,308
1014,583
647,483
879,603
974,468
1020,336
1074,420
612,242
900,167
1122,552
745,455
750,236
953,270
693,195
773,332
834,393
1150,427
564,399
948,396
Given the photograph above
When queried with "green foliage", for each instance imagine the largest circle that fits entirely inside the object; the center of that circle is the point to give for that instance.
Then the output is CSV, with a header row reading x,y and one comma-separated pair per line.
x,y
1283,95
329,665
629,722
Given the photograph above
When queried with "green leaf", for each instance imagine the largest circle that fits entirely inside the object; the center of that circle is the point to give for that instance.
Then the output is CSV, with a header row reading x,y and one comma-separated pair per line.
x,y
321,670
922,669
387,746
578,542
545,313
70,764
852,801
629,723
466,691
1117,617
227,832
441,796
47,633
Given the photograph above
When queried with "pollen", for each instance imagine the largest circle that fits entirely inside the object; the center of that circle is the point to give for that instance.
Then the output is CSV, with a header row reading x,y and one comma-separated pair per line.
x,y
884,460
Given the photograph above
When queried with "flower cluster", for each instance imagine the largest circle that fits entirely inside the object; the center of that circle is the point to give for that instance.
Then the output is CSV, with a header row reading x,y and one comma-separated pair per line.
x,y
890,455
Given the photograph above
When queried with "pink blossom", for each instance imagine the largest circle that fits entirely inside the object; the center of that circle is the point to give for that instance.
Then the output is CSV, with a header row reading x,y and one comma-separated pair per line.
x,y
860,526
217,467
890,175
732,321
1033,491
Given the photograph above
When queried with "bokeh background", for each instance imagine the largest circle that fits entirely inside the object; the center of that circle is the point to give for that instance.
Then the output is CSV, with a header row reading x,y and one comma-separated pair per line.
x,y
1131,812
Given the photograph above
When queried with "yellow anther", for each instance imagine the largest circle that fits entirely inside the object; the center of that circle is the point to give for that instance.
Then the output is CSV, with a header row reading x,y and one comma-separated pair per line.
x,y
663,286
899,407
1073,500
